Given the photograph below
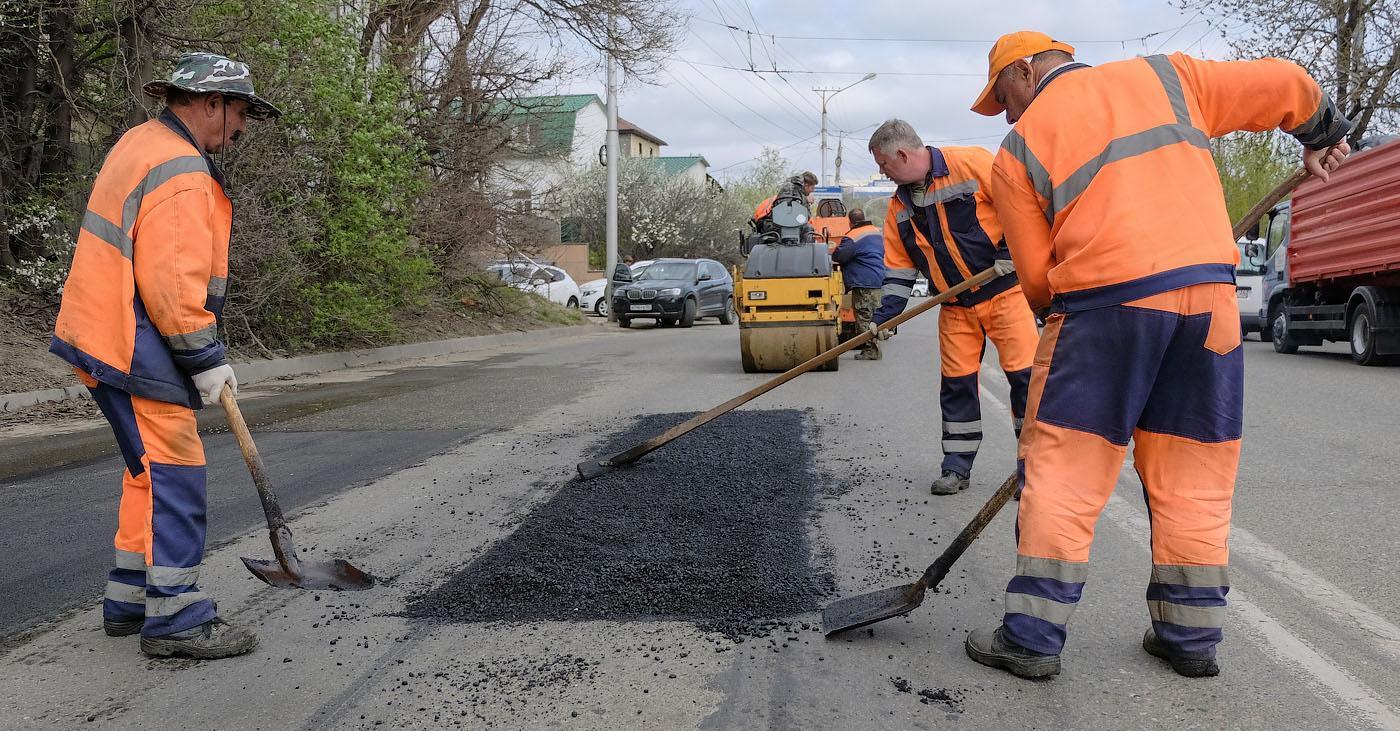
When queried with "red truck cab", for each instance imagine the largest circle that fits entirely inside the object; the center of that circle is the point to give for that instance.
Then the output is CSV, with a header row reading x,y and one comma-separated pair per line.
x,y
1332,260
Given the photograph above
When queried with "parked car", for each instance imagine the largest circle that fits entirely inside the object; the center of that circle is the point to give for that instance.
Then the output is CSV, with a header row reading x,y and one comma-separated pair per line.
x,y
549,282
677,291
1249,286
920,288
590,293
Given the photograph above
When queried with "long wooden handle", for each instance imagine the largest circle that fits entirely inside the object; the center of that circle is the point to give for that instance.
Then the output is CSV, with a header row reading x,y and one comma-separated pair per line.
x,y
239,427
694,422
1251,219
940,567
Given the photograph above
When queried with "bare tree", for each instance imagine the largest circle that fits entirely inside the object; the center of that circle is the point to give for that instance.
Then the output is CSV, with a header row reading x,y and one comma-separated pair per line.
x,y
1352,47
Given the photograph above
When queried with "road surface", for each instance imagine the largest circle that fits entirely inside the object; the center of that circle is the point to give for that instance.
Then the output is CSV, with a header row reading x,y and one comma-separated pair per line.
x,y
416,472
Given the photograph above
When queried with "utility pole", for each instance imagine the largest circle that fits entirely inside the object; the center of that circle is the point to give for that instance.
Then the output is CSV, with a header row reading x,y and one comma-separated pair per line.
x,y
825,98
612,186
837,178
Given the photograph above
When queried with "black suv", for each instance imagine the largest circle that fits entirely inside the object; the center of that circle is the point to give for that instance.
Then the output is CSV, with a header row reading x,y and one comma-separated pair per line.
x,y
676,291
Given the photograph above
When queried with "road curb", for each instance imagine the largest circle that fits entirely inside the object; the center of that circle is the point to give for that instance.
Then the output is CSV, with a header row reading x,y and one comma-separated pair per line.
x,y
263,370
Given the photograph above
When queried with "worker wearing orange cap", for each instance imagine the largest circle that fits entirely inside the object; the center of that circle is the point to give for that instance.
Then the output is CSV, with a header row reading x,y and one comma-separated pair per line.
x,y
1116,221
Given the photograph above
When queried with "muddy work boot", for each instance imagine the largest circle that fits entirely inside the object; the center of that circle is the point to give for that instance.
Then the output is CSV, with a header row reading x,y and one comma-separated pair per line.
x,y
991,648
951,483
868,354
209,641
1184,665
122,627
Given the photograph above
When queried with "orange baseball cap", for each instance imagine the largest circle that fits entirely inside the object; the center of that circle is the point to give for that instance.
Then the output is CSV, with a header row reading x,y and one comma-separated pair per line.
x,y
1007,50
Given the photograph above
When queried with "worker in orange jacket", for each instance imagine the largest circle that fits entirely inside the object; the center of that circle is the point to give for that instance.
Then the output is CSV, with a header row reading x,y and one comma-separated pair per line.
x,y
1117,224
941,224
139,322
797,187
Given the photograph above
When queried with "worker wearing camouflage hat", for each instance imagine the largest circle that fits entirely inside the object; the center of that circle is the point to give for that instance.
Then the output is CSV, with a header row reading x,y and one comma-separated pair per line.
x,y
139,323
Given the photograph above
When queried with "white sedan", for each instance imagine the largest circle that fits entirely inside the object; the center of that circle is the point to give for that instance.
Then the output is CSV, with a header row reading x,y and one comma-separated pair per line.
x,y
551,283
591,293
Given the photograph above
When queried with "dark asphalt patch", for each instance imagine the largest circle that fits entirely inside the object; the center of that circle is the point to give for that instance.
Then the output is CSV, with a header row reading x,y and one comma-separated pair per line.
x,y
712,529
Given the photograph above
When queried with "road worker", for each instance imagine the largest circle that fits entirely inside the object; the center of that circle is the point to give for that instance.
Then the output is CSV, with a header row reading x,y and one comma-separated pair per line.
x,y
139,323
941,224
861,256
798,187
1116,221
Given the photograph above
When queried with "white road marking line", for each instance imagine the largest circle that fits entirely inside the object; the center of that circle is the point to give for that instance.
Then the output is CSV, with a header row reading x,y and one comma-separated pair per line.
x,y
1341,690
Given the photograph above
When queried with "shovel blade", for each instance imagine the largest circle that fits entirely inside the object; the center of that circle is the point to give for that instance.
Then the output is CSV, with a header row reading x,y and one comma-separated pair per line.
x,y
592,468
337,575
858,611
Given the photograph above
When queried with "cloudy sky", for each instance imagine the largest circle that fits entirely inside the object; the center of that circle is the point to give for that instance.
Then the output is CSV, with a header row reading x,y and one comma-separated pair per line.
x,y
930,59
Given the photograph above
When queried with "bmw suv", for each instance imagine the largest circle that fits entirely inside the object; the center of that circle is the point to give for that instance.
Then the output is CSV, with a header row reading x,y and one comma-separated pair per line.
x,y
677,291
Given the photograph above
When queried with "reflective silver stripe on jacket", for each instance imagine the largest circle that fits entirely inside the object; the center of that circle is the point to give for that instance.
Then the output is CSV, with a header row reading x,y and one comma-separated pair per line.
x,y
1140,143
218,286
192,341
118,235
943,195
108,232
1204,617
1195,576
119,592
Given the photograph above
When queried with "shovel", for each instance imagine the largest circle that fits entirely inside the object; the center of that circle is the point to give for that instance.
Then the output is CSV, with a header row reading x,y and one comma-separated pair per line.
x,y
593,468
858,611
288,571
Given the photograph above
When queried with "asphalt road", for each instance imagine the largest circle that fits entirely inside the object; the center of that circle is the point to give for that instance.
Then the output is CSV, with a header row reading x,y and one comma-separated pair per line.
x,y
414,473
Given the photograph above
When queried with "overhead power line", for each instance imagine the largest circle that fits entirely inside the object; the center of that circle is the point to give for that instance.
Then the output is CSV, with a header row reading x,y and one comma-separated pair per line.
x,y
780,72
909,39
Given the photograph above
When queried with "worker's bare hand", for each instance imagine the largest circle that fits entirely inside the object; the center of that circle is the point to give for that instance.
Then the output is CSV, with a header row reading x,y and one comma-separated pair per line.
x,y
1321,163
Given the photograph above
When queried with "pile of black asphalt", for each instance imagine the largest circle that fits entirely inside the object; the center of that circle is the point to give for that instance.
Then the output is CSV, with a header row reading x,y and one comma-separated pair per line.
x,y
713,529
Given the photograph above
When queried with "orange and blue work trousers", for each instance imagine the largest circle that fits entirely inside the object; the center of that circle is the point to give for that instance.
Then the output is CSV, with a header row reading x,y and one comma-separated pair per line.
x,y
161,523
963,331
1167,372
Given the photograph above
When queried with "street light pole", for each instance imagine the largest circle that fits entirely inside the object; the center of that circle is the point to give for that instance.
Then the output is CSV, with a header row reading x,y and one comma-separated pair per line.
x,y
611,245
825,98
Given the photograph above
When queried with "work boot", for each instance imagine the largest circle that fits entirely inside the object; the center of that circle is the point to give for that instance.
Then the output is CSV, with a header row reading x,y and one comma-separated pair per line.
x,y
991,648
209,641
1184,665
122,627
951,483
868,354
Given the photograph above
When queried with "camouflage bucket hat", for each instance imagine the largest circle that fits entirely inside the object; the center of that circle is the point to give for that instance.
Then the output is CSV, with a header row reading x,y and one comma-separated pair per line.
x,y
206,73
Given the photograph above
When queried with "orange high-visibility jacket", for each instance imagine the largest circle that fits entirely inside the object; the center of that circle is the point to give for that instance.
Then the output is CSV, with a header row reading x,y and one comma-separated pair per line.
x,y
764,208
955,235
142,302
1106,185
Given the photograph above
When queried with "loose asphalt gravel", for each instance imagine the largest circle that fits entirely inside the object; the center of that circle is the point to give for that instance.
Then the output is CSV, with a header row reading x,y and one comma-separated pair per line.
x,y
692,533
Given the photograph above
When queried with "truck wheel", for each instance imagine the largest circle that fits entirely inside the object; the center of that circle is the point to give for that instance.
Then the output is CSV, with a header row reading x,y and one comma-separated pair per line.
x,y
1283,341
726,316
688,315
1363,338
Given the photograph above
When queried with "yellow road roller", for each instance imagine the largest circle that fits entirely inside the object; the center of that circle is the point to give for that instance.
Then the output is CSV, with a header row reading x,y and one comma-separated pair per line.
x,y
787,293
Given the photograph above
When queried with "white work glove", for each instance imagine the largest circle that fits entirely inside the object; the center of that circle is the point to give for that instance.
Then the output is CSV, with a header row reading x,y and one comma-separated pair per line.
x,y
1003,266
880,334
211,382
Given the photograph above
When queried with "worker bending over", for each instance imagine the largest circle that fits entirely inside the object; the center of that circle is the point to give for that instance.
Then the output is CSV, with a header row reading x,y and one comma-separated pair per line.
x,y
941,224
861,256
1116,221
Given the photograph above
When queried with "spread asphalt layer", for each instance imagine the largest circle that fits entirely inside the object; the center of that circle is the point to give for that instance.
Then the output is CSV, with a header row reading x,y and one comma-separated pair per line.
x,y
692,533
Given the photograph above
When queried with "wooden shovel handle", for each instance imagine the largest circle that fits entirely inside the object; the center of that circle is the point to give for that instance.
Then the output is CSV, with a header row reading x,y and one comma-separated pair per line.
x,y
271,509
940,567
